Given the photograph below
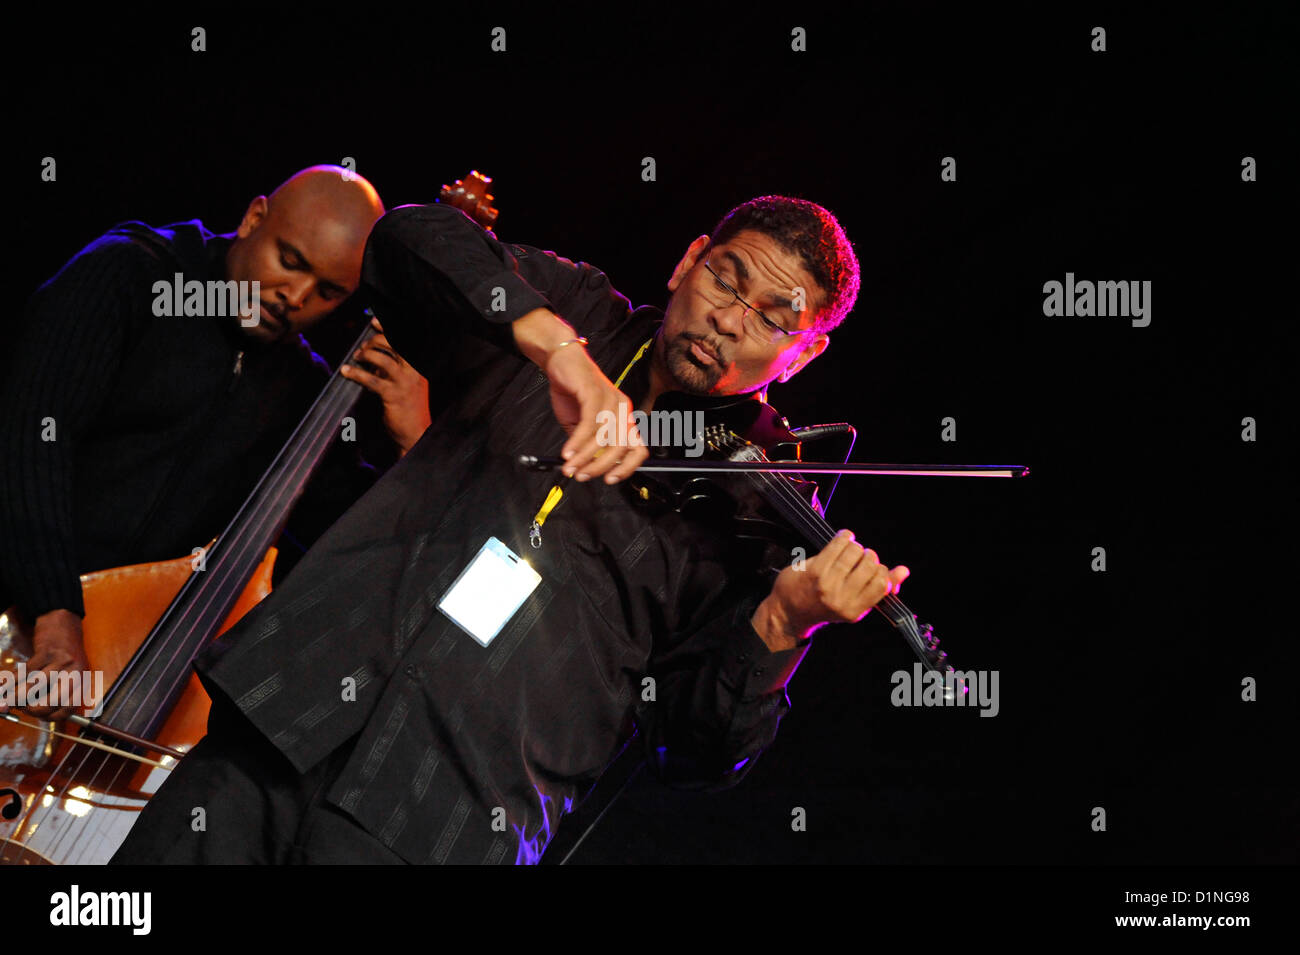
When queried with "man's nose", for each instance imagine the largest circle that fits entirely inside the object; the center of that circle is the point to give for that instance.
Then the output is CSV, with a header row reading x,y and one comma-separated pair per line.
x,y
297,291
729,320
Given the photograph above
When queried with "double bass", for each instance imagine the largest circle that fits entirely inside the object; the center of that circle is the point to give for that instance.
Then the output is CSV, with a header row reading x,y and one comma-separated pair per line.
x,y
70,793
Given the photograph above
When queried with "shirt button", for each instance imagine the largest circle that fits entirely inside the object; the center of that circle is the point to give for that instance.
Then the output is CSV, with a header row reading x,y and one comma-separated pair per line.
x,y
411,670
758,671
743,658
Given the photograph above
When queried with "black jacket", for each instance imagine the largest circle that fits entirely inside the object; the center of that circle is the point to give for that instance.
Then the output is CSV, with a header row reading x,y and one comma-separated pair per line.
x,y
465,753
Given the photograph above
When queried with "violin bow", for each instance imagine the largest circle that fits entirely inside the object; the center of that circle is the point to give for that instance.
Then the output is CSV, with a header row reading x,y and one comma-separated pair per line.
x,y
532,462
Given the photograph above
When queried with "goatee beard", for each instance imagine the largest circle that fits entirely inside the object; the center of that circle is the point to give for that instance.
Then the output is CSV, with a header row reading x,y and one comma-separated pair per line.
x,y
688,376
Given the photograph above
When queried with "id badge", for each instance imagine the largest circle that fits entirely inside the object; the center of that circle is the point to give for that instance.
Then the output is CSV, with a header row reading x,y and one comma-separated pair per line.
x,y
488,592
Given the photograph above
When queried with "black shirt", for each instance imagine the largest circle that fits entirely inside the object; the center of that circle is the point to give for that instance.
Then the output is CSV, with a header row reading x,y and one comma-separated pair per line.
x,y
470,754
128,436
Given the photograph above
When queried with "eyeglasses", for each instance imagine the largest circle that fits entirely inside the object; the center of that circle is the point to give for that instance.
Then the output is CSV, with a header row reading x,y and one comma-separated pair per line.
x,y
756,324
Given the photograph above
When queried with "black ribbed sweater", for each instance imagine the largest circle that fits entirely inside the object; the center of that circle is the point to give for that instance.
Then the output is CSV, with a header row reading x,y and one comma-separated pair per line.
x,y
129,437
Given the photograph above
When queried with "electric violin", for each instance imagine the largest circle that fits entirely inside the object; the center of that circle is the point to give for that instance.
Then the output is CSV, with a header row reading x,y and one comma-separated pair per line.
x,y
769,500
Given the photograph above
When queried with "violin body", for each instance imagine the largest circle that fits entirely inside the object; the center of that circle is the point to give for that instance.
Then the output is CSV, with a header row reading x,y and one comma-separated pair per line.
x,y
732,505
45,804
764,507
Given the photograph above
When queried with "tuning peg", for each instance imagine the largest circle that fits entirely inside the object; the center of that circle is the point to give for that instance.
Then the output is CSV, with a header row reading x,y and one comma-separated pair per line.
x,y
927,634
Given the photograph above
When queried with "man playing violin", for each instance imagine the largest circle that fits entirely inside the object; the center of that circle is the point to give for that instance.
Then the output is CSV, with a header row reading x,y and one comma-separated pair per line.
x,y
131,434
460,657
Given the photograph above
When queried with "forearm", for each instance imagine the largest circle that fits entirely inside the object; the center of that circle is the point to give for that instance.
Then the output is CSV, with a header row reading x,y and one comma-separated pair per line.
x,y
539,333
428,267
433,275
774,627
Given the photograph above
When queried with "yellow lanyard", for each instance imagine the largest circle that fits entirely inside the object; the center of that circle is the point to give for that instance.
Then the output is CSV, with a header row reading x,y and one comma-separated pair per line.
x,y
557,492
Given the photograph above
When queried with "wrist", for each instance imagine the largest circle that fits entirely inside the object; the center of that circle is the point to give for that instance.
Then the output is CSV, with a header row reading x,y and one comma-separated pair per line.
x,y
409,437
540,333
774,626
56,628
58,617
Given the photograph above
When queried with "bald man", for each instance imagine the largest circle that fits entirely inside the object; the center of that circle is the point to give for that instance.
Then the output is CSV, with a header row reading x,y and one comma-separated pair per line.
x,y
136,418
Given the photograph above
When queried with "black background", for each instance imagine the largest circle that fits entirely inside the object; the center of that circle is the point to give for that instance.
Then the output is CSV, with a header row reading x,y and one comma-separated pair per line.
x,y
1118,689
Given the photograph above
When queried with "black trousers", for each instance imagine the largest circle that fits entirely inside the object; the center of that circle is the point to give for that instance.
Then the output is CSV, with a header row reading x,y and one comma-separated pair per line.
x,y
256,808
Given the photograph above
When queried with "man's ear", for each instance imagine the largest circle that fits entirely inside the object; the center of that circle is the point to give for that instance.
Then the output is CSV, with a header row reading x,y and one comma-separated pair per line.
x,y
811,351
253,217
693,253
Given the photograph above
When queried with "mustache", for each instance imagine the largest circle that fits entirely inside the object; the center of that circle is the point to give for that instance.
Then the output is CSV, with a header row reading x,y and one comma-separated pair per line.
x,y
708,345
278,312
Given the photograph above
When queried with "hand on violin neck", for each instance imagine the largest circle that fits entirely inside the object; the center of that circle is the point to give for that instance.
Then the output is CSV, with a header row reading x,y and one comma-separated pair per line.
x,y
839,584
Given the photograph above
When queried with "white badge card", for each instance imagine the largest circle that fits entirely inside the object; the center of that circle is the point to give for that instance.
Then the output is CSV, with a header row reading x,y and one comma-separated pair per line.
x,y
489,591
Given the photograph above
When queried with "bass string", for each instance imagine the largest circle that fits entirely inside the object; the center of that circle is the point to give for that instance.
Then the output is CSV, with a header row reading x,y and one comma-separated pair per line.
x,y
88,826
33,823
234,555
231,558
318,423
331,407
91,828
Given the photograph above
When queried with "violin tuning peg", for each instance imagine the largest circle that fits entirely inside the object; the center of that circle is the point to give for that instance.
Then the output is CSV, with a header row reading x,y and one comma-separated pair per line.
x,y
927,634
